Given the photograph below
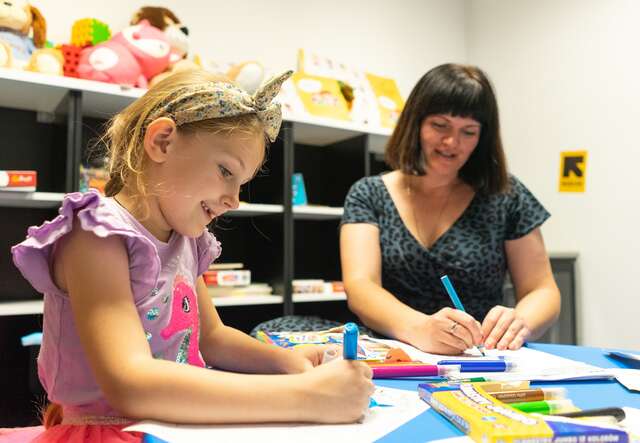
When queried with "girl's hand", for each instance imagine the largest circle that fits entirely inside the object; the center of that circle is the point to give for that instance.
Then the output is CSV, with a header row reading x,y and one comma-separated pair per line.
x,y
304,358
314,353
338,392
448,331
504,329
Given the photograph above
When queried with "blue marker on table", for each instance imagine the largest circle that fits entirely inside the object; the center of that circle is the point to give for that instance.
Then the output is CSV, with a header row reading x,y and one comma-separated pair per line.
x,y
350,341
148,438
453,295
480,365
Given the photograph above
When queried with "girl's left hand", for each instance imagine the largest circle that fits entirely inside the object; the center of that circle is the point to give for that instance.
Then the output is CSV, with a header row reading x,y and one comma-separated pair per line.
x,y
504,329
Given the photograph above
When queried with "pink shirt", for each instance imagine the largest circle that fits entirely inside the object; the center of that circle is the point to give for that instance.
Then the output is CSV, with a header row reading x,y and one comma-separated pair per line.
x,y
163,277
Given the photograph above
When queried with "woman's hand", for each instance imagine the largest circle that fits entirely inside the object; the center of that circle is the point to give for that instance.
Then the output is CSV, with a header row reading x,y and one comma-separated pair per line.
x,y
504,329
448,331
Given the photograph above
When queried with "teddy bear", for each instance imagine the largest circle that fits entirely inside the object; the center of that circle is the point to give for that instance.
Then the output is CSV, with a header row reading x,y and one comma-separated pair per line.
x,y
162,18
176,33
247,75
131,57
17,49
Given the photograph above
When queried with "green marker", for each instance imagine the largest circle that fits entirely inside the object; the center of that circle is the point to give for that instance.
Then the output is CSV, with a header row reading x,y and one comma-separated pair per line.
x,y
545,407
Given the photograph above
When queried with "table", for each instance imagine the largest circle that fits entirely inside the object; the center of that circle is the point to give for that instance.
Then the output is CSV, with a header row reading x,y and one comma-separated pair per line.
x,y
430,425
585,394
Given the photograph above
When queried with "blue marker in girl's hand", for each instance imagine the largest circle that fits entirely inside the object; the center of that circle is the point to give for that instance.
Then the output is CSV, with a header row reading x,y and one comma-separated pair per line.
x,y
350,341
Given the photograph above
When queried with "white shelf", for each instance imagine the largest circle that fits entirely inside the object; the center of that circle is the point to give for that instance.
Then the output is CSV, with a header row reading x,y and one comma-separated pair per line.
x,y
306,298
319,131
307,212
27,307
42,92
30,199
53,199
250,209
243,300
34,307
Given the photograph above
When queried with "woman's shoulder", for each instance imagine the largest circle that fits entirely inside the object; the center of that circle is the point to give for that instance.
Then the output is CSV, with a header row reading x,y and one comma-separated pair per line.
x,y
367,184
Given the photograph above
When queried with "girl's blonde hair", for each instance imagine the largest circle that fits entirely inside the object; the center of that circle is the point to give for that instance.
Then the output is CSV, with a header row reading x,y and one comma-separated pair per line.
x,y
125,132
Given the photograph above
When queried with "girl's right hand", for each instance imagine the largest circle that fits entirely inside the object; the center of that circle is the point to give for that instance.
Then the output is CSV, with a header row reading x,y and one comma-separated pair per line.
x,y
448,332
339,391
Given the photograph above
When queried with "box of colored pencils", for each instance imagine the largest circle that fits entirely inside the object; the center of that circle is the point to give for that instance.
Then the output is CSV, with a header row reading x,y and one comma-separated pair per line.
x,y
474,409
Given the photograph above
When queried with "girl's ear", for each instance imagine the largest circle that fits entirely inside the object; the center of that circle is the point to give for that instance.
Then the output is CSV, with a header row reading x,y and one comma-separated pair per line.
x,y
159,134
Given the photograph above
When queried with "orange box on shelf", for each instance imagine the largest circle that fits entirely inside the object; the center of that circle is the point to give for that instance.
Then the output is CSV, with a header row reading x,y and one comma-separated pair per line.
x,y
24,181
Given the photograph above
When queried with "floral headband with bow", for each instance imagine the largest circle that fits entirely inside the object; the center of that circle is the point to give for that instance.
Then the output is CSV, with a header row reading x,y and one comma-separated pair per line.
x,y
220,99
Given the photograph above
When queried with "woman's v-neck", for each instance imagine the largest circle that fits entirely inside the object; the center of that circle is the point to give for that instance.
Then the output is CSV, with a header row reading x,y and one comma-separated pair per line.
x,y
440,238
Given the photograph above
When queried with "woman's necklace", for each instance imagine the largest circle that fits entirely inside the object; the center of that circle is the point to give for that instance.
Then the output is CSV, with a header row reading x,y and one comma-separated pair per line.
x,y
426,242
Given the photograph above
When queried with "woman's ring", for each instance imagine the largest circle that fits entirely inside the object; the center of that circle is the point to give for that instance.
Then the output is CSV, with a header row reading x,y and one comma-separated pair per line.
x,y
453,327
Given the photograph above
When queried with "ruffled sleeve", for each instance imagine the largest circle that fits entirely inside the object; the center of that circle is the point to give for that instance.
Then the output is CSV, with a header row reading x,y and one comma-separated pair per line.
x,y
525,212
33,256
209,249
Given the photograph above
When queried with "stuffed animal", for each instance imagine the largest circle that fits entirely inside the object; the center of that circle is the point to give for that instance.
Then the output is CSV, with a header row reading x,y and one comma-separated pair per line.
x,y
17,49
131,57
179,66
162,18
247,75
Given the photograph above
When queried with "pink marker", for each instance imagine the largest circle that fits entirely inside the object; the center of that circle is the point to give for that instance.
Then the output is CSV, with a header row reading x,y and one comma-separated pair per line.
x,y
414,371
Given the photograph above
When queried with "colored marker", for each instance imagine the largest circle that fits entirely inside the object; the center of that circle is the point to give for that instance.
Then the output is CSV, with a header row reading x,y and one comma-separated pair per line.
x,y
412,371
529,395
499,386
480,365
350,341
545,406
148,438
453,295
617,413
373,403
381,364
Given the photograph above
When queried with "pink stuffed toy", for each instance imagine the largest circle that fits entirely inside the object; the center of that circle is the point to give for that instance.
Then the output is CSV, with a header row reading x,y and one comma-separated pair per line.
x,y
131,57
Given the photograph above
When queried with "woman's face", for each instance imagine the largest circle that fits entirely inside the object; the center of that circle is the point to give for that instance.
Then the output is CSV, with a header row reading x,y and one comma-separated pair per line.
x,y
447,142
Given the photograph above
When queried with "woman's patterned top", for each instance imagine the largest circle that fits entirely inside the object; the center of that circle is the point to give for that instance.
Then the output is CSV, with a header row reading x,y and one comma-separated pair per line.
x,y
471,252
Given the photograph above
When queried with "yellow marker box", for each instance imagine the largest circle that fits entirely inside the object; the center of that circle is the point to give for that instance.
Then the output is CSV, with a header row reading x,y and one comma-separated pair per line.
x,y
487,420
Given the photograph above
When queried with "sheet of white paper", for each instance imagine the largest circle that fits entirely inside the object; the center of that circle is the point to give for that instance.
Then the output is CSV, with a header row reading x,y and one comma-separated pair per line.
x,y
378,422
530,364
629,378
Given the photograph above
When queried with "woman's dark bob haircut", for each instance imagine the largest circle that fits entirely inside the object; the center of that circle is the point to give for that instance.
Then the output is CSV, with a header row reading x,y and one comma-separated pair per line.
x,y
461,91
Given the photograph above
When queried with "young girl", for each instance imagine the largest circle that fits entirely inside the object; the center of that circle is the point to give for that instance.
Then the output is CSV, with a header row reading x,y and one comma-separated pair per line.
x,y
129,329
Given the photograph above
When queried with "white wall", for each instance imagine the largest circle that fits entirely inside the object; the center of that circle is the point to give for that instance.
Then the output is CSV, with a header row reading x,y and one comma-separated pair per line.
x,y
398,39
567,77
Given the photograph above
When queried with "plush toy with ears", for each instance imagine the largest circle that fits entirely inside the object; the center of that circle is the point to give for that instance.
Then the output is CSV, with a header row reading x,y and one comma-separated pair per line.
x,y
131,57
176,32
17,49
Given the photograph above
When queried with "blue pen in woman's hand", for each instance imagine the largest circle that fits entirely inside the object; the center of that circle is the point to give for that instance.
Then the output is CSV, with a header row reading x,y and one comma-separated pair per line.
x,y
453,295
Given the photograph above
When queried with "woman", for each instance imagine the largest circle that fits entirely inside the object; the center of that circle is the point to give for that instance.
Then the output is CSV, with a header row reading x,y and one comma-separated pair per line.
x,y
449,207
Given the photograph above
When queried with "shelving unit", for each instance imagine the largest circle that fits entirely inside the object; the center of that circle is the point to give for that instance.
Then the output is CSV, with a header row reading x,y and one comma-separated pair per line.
x,y
34,307
266,232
